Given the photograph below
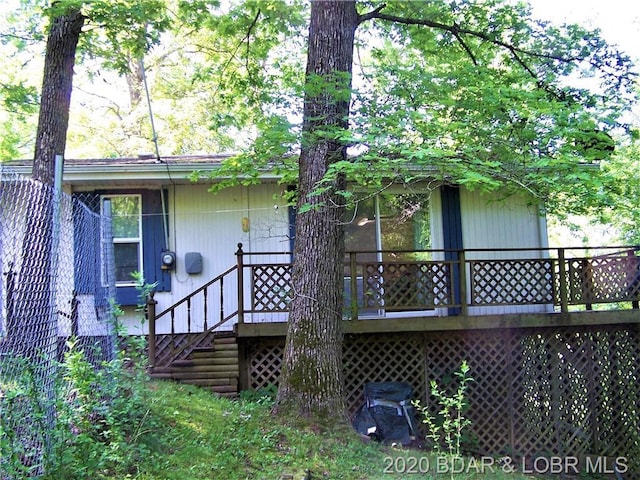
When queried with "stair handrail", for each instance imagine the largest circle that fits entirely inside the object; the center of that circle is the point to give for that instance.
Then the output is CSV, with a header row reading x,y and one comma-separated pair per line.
x,y
152,317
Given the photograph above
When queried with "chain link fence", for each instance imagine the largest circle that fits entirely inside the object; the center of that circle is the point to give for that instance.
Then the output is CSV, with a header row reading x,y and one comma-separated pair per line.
x,y
56,285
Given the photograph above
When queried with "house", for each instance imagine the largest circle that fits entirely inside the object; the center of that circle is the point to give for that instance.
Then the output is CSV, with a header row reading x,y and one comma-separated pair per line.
x,y
435,274
180,235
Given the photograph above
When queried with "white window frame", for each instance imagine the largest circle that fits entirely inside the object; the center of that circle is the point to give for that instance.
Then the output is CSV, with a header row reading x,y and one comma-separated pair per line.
x,y
138,239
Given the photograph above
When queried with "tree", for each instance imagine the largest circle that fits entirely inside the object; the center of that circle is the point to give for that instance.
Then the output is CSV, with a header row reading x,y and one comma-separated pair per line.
x,y
507,54
29,329
311,377
55,97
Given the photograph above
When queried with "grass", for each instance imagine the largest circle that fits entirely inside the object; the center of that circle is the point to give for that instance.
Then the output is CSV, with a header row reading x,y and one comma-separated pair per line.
x,y
189,434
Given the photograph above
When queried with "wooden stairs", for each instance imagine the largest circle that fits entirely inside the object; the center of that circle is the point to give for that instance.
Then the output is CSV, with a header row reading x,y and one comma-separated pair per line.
x,y
214,368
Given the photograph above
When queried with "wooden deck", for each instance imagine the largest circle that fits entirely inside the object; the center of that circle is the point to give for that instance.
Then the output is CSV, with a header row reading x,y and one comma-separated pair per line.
x,y
552,339
436,324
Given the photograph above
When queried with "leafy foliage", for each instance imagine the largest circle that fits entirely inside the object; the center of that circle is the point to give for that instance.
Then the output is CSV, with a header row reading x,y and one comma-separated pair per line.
x,y
117,30
102,416
481,95
478,94
447,428
621,197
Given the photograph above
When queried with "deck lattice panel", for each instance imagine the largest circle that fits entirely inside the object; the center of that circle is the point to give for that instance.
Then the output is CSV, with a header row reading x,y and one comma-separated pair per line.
x,y
511,282
553,391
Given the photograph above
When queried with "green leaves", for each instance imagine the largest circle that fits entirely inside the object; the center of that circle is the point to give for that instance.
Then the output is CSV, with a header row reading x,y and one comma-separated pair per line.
x,y
475,93
447,426
480,95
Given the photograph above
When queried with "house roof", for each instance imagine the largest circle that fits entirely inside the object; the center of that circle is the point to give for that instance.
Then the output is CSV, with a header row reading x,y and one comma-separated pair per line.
x,y
130,170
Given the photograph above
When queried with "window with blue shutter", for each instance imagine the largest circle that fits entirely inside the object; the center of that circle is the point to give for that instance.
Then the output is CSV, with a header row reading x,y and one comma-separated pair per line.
x,y
139,240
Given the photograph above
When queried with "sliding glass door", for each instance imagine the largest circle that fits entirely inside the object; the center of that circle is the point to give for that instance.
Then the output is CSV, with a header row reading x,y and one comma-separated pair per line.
x,y
390,232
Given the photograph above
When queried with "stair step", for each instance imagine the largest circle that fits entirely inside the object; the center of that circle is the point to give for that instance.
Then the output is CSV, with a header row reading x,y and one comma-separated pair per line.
x,y
224,389
204,350
229,339
214,354
213,366
203,362
194,379
229,369
218,384
213,375
226,346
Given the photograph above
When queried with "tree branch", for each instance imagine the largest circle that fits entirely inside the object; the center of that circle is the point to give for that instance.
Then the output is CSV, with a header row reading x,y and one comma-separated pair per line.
x,y
372,14
250,29
459,33
457,30
465,46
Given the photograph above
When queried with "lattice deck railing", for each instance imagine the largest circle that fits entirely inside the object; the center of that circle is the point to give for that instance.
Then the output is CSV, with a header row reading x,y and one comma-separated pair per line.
x,y
466,278
417,281
555,391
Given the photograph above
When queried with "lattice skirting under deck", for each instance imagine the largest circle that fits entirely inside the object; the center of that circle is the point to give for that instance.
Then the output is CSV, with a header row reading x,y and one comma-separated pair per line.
x,y
536,392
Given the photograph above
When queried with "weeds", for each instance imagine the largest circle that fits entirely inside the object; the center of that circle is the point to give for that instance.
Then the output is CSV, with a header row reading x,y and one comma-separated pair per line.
x,y
452,420
102,413
21,445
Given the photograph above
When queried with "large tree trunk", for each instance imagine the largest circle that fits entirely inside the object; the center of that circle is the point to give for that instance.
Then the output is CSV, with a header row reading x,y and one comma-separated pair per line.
x,y
30,327
311,381
53,121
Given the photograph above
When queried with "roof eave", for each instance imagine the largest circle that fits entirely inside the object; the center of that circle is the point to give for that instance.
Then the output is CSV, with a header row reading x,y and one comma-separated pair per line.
x,y
159,173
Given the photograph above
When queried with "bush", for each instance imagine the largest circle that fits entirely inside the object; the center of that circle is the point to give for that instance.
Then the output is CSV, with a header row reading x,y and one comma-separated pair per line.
x,y
102,413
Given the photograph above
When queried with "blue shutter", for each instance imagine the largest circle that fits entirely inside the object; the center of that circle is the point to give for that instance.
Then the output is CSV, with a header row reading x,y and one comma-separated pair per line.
x,y
452,233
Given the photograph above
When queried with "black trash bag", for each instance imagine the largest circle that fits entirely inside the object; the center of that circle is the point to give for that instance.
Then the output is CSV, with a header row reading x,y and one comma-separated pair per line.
x,y
387,414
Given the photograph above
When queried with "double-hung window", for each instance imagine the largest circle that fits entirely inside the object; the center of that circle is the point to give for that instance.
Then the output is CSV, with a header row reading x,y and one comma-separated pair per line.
x,y
126,224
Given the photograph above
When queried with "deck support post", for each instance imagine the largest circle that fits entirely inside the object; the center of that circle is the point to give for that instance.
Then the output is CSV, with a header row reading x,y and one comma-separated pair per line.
x,y
635,269
151,319
354,285
240,260
562,281
464,306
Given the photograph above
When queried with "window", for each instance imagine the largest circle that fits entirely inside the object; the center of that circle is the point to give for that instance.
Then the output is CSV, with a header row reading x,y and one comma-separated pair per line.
x,y
390,221
139,239
388,227
126,220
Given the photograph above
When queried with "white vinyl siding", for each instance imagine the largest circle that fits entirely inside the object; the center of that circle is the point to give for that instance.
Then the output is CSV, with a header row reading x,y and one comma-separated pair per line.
x,y
489,222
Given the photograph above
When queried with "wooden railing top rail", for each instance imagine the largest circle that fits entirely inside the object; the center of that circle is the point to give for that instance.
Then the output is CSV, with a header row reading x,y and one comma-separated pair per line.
x,y
587,250
196,292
